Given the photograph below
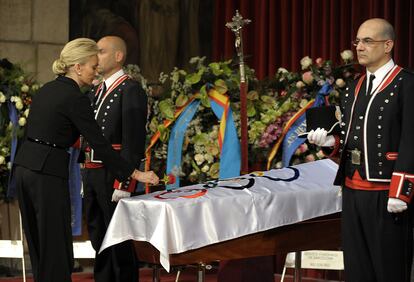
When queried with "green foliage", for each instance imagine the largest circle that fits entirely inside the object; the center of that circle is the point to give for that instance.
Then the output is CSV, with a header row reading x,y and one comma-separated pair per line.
x,y
16,90
270,104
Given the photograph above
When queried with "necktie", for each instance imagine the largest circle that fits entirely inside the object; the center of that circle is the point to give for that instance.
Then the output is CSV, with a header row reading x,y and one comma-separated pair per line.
x,y
371,79
101,94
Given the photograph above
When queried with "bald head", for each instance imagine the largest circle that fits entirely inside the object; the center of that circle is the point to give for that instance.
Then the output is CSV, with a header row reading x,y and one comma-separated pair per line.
x,y
383,28
117,44
375,43
112,55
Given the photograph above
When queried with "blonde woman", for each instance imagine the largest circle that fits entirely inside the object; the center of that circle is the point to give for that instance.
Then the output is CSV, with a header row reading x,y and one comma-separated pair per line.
x,y
59,114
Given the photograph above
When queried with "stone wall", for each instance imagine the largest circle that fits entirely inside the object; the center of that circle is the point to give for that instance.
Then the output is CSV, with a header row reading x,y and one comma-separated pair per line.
x,y
32,33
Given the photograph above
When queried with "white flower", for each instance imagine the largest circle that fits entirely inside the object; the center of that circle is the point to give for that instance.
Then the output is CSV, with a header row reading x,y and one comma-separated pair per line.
x,y
305,62
320,154
35,87
163,77
303,103
279,165
21,78
209,158
2,97
282,70
2,159
300,84
19,105
199,158
205,168
347,55
26,113
15,99
194,60
25,88
340,82
22,121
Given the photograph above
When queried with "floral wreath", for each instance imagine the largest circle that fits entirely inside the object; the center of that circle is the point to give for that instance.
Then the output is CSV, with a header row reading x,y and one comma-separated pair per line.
x,y
16,90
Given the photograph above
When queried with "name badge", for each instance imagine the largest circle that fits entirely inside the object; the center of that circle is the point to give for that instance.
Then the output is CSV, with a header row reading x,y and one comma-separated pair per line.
x,y
356,157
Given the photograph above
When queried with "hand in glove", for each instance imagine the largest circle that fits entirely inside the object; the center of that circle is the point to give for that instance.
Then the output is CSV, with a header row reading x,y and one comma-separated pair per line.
x,y
396,205
145,177
321,138
119,194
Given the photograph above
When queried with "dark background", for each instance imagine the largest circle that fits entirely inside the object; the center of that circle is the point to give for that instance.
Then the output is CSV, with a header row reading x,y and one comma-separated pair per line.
x,y
280,34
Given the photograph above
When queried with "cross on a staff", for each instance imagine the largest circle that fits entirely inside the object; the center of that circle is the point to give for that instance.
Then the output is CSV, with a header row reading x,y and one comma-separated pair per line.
x,y
236,25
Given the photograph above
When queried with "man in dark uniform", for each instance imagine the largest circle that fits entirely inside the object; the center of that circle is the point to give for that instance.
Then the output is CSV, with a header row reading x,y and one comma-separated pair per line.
x,y
120,107
376,167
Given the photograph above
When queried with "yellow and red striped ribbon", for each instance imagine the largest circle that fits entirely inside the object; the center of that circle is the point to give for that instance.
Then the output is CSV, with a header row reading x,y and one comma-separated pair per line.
x,y
224,102
276,147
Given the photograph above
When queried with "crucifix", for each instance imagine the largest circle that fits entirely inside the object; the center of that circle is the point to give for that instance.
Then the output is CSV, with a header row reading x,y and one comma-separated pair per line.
x,y
236,26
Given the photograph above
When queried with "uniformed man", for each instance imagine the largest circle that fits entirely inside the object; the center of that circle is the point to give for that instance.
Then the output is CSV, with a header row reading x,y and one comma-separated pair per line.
x,y
120,106
376,167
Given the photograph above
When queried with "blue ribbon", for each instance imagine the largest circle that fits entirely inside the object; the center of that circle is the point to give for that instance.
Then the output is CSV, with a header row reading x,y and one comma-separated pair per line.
x,y
322,93
74,190
13,116
230,154
175,143
292,141
230,160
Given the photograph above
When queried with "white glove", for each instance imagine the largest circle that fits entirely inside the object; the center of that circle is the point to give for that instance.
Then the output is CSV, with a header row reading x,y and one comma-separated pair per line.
x,y
119,194
321,138
396,205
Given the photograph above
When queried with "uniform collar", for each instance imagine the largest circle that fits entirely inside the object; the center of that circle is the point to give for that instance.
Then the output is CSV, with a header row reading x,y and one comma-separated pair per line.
x,y
380,73
112,78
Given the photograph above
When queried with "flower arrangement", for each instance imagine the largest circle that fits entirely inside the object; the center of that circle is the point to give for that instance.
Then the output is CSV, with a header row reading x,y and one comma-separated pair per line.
x,y
200,150
271,103
289,92
16,90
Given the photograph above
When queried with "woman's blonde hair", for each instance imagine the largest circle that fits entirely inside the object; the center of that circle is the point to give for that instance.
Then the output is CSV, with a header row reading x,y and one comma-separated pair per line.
x,y
74,52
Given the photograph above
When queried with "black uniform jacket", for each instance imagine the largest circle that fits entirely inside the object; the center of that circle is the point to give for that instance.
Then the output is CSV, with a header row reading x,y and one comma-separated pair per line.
x,y
122,117
388,132
59,113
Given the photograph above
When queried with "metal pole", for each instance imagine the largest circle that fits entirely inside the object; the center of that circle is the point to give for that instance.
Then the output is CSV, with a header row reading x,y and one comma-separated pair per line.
x,y
201,273
297,276
236,26
22,238
156,273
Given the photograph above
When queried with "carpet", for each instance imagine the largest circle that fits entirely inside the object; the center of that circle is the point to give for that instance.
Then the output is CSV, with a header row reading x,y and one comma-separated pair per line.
x,y
146,276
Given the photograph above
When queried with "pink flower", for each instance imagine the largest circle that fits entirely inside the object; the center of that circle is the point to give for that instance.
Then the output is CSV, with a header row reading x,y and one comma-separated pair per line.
x,y
309,158
319,62
303,148
307,77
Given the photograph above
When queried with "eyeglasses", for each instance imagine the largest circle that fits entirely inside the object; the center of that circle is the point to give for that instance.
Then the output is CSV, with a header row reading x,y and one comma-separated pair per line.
x,y
367,41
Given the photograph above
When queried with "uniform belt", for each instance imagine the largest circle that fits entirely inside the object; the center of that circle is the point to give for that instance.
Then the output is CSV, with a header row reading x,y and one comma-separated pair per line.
x,y
38,141
93,164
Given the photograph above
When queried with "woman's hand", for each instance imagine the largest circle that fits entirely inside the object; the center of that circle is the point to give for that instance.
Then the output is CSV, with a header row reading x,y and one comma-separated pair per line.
x,y
145,177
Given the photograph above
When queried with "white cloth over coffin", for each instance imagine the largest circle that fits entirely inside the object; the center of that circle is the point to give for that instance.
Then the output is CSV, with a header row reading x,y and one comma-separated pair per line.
x,y
178,224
